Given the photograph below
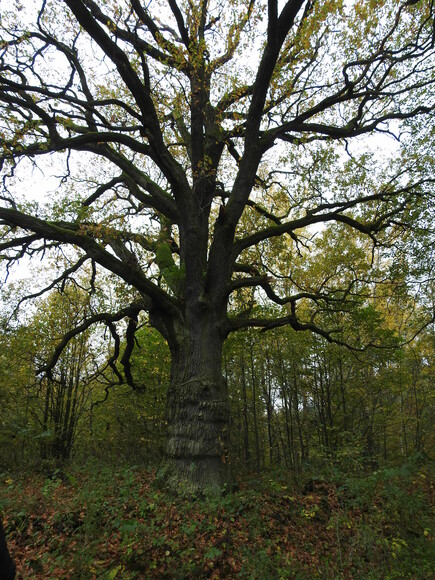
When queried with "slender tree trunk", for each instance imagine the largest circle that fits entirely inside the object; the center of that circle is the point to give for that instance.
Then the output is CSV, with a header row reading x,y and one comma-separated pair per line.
x,y
288,444
385,444
247,454
288,427
254,410
418,439
298,460
329,415
269,416
403,421
44,449
343,393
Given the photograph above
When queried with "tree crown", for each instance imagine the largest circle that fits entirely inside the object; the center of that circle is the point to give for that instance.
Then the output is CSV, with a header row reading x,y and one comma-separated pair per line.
x,y
202,145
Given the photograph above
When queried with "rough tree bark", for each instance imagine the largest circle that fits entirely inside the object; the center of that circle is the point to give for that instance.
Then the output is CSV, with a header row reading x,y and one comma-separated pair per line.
x,y
198,415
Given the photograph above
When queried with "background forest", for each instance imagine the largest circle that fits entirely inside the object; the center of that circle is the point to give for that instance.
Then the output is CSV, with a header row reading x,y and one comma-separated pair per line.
x,y
298,402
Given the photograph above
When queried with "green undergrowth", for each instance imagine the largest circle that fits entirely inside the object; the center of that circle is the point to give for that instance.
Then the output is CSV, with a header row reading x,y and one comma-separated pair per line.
x,y
108,523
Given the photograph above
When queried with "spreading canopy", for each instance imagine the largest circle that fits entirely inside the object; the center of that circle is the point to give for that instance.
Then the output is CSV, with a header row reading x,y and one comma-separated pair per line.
x,y
200,146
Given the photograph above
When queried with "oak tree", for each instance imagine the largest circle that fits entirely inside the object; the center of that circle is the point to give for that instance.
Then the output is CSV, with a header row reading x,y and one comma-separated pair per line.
x,y
198,147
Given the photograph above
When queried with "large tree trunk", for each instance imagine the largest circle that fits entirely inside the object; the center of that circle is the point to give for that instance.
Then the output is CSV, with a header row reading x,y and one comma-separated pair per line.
x,y
197,414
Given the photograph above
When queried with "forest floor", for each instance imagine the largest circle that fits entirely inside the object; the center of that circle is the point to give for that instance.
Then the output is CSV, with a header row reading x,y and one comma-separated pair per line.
x,y
104,522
